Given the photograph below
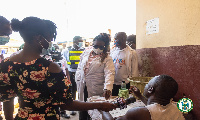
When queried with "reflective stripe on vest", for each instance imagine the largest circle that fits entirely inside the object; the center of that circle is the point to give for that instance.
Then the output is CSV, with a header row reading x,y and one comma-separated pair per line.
x,y
75,51
74,58
69,63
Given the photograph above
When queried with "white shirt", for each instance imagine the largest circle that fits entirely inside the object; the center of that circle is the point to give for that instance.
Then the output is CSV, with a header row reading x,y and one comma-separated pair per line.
x,y
126,64
64,65
168,112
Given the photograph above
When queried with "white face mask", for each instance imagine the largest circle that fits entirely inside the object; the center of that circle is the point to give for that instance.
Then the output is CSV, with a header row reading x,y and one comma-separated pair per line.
x,y
97,51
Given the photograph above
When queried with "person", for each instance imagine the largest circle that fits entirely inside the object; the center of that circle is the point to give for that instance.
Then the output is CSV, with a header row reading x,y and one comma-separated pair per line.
x,y
95,71
40,84
131,41
125,61
5,30
72,55
60,59
158,97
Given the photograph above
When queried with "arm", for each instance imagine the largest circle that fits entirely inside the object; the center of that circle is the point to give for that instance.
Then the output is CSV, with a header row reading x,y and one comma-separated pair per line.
x,y
66,54
66,67
78,70
83,106
8,108
137,93
106,115
143,99
138,113
109,71
6,91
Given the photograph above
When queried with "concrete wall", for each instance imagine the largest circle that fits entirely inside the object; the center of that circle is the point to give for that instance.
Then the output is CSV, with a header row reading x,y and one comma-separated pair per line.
x,y
178,23
175,50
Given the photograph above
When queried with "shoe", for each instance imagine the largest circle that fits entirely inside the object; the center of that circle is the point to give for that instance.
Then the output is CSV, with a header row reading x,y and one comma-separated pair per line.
x,y
67,116
73,113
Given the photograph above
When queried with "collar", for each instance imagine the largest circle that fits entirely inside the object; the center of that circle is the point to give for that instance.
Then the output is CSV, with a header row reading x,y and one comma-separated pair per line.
x,y
117,48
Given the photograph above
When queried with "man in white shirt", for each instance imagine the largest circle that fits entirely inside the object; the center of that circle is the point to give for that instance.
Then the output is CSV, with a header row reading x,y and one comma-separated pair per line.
x,y
125,60
158,97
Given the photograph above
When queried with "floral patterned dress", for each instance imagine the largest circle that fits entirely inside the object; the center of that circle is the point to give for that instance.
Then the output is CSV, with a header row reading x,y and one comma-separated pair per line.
x,y
40,92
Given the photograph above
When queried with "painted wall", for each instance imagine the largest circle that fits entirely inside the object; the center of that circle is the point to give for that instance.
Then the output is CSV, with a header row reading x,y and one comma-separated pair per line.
x,y
175,50
178,23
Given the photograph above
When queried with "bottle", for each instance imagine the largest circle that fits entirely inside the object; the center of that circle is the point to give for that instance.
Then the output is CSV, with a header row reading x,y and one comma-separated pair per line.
x,y
123,85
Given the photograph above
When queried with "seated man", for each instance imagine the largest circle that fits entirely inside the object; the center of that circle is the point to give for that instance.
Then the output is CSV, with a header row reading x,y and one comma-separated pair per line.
x,y
158,94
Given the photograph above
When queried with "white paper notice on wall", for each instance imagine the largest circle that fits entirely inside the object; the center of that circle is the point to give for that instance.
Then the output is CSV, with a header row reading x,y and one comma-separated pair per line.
x,y
152,26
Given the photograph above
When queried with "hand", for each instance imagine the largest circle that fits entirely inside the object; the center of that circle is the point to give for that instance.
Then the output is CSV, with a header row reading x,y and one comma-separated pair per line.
x,y
107,94
106,106
135,90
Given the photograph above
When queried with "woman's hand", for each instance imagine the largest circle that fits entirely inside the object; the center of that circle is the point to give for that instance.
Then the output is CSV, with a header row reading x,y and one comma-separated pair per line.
x,y
107,94
106,106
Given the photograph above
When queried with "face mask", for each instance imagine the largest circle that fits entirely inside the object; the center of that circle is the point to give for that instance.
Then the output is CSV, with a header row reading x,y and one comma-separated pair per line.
x,y
116,42
80,44
4,39
97,51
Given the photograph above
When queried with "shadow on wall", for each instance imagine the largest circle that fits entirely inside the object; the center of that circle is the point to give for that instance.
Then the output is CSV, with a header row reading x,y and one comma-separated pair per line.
x,y
180,62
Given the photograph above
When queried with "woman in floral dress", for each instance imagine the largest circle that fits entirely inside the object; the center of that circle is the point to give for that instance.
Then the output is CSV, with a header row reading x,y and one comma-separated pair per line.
x,y
40,84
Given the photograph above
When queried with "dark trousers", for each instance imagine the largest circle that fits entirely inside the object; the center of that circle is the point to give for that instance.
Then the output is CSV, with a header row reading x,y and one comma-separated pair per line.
x,y
116,88
83,115
72,79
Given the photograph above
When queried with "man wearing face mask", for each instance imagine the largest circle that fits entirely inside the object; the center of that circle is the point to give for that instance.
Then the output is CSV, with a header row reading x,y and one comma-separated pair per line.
x,y
125,60
72,56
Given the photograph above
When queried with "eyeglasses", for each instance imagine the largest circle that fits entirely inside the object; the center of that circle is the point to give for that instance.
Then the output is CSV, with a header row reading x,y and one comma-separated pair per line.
x,y
100,47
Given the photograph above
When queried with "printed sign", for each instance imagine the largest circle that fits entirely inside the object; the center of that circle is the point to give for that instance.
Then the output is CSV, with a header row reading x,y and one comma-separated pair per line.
x,y
152,26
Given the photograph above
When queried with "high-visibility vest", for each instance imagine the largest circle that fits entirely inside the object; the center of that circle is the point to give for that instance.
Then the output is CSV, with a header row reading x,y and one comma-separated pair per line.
x,y
74,57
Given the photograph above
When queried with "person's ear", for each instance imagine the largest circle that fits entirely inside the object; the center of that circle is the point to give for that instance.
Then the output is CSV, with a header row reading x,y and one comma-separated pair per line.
x,y
150,90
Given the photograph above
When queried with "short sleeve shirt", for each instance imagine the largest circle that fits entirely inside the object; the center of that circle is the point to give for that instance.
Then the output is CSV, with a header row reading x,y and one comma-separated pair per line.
x,y
39,91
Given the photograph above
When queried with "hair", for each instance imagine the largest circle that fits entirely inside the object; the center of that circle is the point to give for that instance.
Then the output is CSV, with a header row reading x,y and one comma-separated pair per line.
x,y
77,38
166,87
105,38
132,38
51,28
123,35
33,26
3,21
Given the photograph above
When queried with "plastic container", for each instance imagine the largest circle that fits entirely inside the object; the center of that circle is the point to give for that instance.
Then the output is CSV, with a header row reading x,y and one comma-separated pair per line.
x,y
123,85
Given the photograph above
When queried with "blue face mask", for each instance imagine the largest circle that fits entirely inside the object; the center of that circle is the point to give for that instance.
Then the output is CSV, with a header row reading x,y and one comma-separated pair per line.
x,y
116,43
80,44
